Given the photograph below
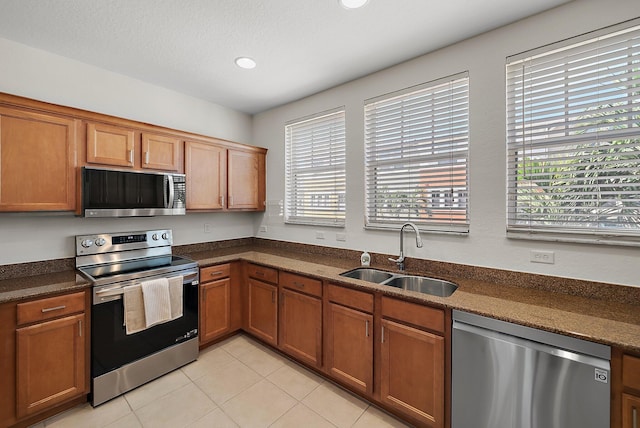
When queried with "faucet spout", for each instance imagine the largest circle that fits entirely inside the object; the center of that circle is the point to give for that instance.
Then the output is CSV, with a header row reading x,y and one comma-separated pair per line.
x,y
400,260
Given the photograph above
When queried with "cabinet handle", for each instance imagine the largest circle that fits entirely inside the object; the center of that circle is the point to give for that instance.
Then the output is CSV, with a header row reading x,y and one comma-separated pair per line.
x,y
634,417
80,328
366,328
131,156
55,308
216,273
382,335
230,200
146,157
300,285
273,296
259,273
222,201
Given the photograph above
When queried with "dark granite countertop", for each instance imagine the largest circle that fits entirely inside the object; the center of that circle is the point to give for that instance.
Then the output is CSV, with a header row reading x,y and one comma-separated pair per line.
x,y
609,322
27,287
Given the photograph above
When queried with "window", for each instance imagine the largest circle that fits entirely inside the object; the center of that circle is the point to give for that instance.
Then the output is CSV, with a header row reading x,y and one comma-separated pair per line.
x,y
416,153
573,139
315,170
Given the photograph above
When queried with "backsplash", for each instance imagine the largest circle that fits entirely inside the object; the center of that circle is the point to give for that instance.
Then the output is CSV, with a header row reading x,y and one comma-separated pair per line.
x,y
575,287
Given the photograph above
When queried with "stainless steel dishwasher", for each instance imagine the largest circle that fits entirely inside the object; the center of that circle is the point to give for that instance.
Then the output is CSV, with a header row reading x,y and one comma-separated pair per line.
x,y
510,376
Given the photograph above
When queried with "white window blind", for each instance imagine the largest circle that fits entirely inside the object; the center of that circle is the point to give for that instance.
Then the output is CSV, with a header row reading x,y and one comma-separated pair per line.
x,y
315,170
573,138
416,156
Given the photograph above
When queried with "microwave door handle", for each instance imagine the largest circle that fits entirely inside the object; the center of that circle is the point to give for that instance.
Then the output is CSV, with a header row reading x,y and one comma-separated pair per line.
x,y
171,191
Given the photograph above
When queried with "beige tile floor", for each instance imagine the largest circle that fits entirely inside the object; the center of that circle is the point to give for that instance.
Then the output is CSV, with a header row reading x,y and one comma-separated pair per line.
x,y
236,383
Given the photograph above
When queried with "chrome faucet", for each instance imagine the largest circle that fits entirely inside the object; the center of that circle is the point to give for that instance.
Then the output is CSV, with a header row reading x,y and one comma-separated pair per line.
x,y
400,260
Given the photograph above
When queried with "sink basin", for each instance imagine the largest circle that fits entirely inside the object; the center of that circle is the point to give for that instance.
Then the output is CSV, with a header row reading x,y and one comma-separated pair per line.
x,y
368,274
421,284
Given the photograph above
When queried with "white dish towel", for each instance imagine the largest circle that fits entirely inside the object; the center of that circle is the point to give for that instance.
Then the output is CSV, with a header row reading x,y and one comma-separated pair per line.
x,y
157,301
133,309
175,295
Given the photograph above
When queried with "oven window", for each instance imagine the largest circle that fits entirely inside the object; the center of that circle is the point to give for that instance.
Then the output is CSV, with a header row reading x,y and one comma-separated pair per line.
x,y
113,348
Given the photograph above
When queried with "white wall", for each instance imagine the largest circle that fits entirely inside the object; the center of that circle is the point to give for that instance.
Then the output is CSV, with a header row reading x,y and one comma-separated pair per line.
x,y
47,77
484,58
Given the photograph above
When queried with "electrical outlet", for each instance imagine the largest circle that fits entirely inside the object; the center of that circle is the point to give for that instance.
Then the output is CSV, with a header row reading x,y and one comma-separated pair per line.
x,y
207,228
537,256
341,237
263,228
319,235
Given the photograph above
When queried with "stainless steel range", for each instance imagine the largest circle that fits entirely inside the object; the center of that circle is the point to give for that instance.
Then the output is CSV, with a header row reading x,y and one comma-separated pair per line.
x,y
144,317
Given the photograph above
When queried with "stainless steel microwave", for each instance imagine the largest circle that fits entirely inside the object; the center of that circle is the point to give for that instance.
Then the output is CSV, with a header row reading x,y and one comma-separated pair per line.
x,y
117,193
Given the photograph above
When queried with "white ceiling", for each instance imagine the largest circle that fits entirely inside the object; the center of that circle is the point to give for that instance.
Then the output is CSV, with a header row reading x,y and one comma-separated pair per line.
x,y
301,46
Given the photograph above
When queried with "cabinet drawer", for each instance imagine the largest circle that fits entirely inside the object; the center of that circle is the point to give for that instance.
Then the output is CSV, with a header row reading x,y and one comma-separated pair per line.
x,y
213,273
419,315
631,371
301,283
351,298
263,273
51,307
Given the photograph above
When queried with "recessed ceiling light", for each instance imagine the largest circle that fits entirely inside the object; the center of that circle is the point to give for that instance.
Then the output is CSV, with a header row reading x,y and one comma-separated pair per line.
x,y
245,62
352,4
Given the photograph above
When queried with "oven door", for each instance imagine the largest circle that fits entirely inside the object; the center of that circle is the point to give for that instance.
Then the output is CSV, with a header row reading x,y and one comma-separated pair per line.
x,y
112,348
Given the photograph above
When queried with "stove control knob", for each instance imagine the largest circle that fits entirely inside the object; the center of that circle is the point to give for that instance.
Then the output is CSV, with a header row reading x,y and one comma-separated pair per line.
x,y
154,236
86,243
165,236
100,242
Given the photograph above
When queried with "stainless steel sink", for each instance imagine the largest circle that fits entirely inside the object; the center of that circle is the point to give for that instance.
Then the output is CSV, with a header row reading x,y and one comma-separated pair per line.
x,y
368,274
421,284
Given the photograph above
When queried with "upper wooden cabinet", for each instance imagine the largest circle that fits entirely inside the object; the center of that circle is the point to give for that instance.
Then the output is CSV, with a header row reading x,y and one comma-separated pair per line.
x,y
224,178
110,145
37,161
206,171
43,145
161,152
123,147
245,180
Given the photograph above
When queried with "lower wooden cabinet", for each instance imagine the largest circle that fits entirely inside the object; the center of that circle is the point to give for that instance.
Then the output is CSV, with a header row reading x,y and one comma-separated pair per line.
x,y
215,306
301,326
262,310
220,301
51,364
630,397
630,411
349,347
44,356
412,372
412,360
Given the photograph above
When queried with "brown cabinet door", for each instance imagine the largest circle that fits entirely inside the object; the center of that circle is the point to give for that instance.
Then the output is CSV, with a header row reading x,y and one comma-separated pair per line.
x,y
263,311
412,372
206,171
160,152
301,326
50,363
110,145
349,347
215,311
37,161
630,411
244,180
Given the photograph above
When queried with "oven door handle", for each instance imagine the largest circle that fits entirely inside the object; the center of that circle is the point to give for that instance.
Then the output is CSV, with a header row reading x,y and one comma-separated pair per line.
x,y
115,291
119,290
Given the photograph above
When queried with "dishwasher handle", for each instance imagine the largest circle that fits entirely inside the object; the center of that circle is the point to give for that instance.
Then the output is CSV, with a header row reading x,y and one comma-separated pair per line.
x,y
541,347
